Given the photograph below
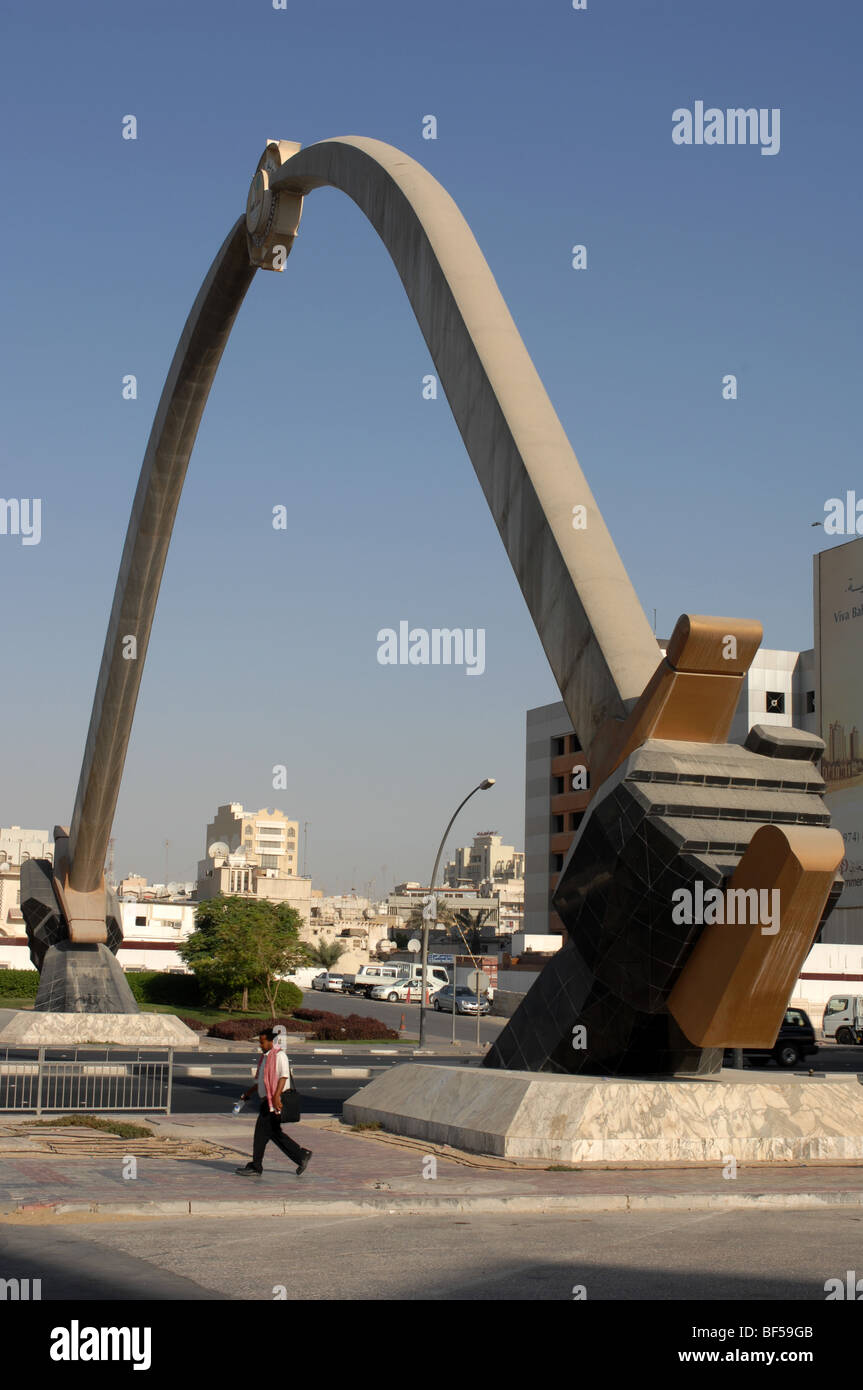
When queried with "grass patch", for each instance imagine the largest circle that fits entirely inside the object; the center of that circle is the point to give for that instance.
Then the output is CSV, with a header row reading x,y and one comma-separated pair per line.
x,y
367,1124
202,1012
121,1128
562,1168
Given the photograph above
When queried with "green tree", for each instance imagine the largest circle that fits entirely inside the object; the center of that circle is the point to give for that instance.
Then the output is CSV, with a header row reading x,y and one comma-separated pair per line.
x,y
326,954
241,944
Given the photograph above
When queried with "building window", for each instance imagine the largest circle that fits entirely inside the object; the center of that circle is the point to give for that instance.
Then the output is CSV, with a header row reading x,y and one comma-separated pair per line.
x,y
557,826
556,786
559,746
775,702
556,863
269,861
140,921
574,745
810,702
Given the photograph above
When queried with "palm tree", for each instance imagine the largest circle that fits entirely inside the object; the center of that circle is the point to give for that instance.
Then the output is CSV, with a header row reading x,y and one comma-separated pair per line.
x,y
469,924
326,954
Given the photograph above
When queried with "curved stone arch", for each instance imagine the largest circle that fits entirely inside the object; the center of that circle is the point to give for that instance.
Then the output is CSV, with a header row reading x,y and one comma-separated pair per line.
x,y
594,632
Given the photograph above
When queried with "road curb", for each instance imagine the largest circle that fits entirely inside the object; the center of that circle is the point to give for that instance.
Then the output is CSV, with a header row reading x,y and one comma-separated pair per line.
x,y
528,1203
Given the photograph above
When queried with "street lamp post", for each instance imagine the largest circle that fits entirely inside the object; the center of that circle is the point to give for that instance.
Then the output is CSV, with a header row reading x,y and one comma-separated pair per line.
x,y
482,787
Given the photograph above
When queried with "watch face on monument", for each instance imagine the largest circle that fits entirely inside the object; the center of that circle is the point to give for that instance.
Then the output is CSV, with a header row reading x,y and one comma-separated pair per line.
x,y
257,201
271,218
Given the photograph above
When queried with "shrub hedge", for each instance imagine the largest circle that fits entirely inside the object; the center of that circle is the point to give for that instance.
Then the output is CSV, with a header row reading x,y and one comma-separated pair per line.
x,y
154,987
243,1029
158,987
312,1022
336,1026
19,984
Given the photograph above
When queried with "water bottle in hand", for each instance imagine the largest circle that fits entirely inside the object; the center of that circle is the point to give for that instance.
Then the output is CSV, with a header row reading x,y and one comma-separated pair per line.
x,y
237,1108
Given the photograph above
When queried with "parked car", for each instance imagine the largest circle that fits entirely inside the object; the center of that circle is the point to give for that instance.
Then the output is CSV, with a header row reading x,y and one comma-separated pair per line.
x,y
795,1042
843,1018
465,1000
320,981
335,984
409,987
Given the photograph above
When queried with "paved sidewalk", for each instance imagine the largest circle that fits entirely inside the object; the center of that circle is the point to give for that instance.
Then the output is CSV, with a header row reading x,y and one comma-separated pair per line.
x,y
355,1173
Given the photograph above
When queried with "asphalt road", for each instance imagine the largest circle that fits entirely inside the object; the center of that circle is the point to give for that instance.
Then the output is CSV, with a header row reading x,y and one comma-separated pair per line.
x,y
649,1255
438,1025
323,1093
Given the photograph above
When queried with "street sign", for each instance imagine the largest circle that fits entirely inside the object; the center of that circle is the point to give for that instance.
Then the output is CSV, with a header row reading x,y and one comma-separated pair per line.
x,y
439,958
477,980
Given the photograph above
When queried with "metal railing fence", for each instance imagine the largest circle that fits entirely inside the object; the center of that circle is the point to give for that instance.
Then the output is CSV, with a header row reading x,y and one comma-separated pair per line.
x,y
33,1081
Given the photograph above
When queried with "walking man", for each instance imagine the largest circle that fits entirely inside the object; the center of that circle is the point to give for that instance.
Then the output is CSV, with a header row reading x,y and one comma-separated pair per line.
x,y
273,1075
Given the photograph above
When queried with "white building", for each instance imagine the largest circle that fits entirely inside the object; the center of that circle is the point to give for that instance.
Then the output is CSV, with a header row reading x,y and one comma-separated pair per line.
x,y
486,860
16,846
266,837
151,933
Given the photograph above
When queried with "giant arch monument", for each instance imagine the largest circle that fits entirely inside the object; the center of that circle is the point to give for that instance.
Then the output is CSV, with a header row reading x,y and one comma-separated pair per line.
x,y
674,806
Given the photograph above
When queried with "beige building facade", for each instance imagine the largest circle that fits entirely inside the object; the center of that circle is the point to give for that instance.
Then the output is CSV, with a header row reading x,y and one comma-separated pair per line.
x,y
487,860
268,837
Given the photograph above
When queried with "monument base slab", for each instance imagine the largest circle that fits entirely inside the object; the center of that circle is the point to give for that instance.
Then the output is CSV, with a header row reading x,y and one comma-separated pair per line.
x,y
26,1029
591,1119
83,978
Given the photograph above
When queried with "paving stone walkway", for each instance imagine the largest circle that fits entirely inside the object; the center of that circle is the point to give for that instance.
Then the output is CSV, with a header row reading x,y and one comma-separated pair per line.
x,y
353,1172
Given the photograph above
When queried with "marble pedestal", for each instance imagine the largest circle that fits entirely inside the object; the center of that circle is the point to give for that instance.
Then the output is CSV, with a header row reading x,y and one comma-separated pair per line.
x,y
767,1116
26,1029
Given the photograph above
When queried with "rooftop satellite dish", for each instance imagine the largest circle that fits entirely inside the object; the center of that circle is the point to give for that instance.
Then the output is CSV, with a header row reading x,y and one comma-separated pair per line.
x,y
173,889
218,850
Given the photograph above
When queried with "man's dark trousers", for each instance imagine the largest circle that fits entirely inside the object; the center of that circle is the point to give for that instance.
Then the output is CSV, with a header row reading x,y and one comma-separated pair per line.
x,y
269,1130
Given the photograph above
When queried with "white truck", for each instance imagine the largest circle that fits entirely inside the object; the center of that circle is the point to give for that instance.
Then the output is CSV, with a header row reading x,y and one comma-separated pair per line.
x,y
368,977
843,1018
304,976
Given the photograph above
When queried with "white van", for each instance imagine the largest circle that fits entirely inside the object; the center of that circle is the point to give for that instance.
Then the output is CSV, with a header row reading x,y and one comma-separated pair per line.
x,y
843,1018
369,976
305,976
436,975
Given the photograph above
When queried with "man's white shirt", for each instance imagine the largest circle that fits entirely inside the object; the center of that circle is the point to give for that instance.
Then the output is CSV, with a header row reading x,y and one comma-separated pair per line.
x,y
283,1068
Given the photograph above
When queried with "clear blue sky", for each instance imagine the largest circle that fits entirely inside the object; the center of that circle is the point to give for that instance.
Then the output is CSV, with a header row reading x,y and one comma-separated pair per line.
x,y
554,128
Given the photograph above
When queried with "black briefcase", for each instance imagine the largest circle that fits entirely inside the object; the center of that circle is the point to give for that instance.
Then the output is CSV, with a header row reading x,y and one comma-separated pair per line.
x,y
290,1107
